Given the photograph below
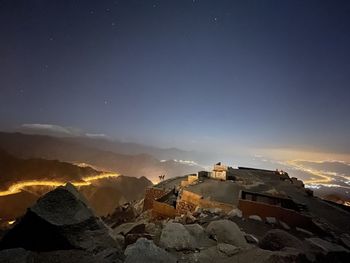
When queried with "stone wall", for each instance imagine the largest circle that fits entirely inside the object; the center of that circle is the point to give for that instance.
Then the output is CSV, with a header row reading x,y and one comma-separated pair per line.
x,y
152,194
182,207
190,179
189,201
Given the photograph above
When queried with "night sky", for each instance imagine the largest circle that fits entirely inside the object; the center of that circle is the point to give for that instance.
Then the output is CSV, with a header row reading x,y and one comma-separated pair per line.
x,y
189,74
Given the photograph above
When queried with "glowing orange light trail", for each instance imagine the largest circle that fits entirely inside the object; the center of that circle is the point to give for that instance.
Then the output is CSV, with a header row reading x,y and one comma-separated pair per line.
x,y
17,187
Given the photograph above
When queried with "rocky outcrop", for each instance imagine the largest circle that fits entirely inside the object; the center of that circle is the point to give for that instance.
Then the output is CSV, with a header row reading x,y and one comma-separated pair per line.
x,y
227,249
145,251
328,252
61,220
176,237
201,237
277,239
225,231
129,228
121,214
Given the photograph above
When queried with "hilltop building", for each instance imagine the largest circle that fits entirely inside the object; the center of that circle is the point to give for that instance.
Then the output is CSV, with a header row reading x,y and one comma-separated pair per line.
x,y
227,188
222,172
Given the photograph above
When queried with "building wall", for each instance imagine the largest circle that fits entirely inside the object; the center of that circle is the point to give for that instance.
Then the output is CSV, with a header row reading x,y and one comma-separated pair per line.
x,y
288,216
162,210
182,207
221,175
152,194
190,179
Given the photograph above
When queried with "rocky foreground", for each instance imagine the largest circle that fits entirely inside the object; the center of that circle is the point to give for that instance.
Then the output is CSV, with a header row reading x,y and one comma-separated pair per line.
x,y
60,227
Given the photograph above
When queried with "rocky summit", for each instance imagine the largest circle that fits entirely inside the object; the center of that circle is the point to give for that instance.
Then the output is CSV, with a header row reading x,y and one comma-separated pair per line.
x,y
61,227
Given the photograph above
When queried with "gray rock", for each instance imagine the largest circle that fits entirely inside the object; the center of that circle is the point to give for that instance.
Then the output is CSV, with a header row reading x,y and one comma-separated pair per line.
x,y
255,217
227,249
175,236
345,240
234,213
226,231
325,246
284,225
327,252
304,231
277,239
15,255
150,228
201,237
69,256
145,251
212,254
251,239
129,228
120,240
60,220
287,255
271,220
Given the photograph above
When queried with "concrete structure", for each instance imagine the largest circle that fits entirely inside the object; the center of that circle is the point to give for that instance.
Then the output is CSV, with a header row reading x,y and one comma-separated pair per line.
x,y
222,172
191,178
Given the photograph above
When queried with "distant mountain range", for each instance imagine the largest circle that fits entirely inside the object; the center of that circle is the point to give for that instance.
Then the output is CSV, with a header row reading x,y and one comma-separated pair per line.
x,y
28,157
100,153
103,194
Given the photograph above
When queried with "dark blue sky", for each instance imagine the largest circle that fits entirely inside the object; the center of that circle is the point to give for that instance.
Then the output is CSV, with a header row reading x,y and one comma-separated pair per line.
x,y
191,74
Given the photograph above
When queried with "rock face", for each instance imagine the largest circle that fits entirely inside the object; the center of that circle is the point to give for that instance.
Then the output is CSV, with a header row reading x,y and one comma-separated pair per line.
x,y
145,251
15,255
60,220
235,212
175,236
225,231
200,236
227,249
121,214
130,228
328,252
277,239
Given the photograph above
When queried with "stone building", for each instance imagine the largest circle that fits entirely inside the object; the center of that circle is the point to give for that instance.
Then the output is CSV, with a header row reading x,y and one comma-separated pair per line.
x,y
222,172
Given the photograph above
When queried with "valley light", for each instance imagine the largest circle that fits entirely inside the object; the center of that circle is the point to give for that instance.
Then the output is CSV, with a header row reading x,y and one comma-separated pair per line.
x,y
17,187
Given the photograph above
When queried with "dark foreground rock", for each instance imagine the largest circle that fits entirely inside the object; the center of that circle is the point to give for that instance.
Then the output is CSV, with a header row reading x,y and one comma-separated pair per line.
x,y
145,251
328,252
19,255
277,239
226,231
61,221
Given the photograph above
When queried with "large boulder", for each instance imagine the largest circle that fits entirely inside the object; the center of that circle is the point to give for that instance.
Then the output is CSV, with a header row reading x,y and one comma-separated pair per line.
x,y
175,236
226,231
277,239
328,252
145,251
121,214
20,255
201,237
15,255
227,249
60,220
